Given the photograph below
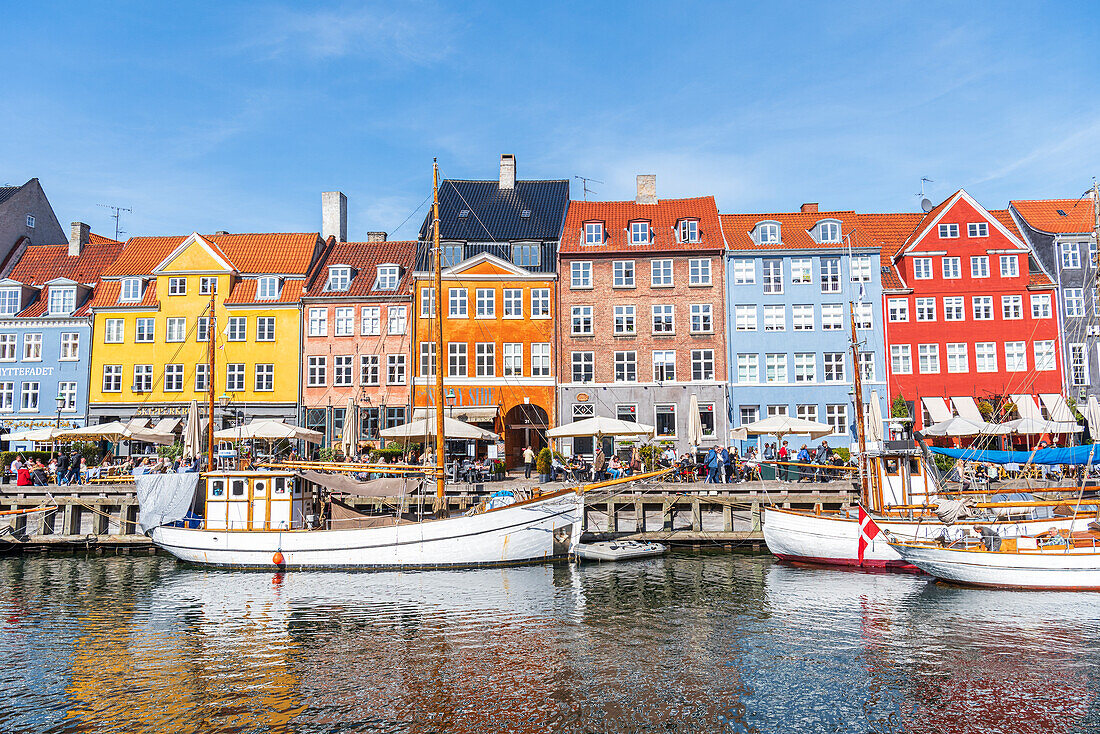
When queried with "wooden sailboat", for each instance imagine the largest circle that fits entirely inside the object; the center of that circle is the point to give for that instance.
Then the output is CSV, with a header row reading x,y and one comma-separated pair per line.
x,y
264,519
899,488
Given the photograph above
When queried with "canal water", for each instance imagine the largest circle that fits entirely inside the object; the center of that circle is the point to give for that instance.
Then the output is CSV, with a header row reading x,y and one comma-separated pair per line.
x,y
685,643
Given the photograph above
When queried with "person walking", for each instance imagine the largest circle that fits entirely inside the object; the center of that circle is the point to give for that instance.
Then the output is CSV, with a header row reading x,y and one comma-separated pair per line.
x,y
599,465
821,458
803,458
62,468
711,463
784,455
726,462
528,462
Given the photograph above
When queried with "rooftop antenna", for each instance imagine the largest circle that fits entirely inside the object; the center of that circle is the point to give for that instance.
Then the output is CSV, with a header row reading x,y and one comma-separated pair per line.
x,y
116,212
925,202
584,182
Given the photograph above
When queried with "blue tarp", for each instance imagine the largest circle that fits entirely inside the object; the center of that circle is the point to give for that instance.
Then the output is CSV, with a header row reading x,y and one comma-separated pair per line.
x,y
1073,455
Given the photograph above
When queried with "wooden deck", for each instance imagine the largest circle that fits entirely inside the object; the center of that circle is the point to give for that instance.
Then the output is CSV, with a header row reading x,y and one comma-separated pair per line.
x,y
103,517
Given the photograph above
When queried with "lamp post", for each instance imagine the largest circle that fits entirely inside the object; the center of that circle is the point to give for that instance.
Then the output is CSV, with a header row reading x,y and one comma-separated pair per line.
x,y
60,400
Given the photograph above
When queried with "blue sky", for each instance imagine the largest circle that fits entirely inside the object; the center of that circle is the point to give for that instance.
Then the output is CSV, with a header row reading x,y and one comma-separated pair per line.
x,y
227,115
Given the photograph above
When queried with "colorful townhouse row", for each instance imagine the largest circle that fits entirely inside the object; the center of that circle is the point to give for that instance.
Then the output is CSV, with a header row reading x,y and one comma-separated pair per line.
x,y
556,310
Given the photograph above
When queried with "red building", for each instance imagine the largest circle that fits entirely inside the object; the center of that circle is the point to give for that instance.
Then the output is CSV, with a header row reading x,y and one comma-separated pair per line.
x,y
969,313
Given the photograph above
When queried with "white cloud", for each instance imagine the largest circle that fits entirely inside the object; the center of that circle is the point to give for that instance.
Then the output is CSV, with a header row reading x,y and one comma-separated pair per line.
x,y
416,32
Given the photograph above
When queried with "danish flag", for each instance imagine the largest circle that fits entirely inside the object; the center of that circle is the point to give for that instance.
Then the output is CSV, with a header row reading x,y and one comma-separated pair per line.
x,y
867,532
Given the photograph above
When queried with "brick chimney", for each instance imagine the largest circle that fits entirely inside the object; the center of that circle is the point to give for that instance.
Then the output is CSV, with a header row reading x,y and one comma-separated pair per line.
x,y
507,171
376,236
334,216
79,235
647,189
809,208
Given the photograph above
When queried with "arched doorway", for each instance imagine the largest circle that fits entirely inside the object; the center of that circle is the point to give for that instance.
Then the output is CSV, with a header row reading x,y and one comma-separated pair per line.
x,y
524,425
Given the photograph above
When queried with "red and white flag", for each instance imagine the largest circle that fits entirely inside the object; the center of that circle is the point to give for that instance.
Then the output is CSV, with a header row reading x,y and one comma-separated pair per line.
x,y
867,532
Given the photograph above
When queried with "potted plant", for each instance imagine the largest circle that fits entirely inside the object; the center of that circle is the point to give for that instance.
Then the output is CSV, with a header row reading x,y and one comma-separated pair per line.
x,y
543,464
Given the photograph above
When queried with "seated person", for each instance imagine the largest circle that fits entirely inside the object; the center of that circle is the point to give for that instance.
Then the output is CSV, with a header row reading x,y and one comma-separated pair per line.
x,y
39,475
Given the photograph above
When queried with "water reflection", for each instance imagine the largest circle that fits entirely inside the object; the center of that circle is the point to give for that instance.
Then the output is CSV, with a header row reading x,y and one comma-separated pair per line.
x,y
682,643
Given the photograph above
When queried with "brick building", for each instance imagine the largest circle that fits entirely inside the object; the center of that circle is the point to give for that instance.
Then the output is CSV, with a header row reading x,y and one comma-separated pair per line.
x,y
357,336
970,315
643,314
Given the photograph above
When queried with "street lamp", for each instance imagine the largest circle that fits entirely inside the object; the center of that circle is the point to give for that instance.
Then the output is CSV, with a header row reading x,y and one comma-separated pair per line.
x,y
60,400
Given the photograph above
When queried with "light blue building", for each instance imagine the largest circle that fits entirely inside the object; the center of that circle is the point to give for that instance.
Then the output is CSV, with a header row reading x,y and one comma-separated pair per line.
x,y
46,332
790,282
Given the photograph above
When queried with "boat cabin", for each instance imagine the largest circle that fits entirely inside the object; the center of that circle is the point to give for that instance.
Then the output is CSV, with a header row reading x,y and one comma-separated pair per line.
x,y
900,477
250,500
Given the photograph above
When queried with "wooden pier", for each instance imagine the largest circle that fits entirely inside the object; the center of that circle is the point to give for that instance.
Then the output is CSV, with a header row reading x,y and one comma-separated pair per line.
x,y
103,518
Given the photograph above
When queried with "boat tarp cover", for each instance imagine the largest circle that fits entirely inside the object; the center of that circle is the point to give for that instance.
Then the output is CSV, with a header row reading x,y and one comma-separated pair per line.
x,y
1072,455
384,487
164,498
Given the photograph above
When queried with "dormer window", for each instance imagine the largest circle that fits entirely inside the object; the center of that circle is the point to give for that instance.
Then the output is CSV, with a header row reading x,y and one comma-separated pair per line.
x,y
689,230
62,301
767,233
463,213
9,301
131,289
267,288
30,221
388,277
639,233
829,231
339,278
450,255
593,233
526,256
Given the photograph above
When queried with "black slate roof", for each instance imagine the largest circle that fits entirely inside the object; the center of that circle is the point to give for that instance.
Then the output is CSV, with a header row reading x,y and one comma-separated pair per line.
x,y
6,192
495,214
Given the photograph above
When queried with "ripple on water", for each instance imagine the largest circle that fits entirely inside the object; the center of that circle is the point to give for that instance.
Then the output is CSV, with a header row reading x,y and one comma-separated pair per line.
x,y
683,643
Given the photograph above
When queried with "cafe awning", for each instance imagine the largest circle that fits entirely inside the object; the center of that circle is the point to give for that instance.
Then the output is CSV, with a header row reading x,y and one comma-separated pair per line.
x,y
968,409
1057,408
464,413
1027,408
937,408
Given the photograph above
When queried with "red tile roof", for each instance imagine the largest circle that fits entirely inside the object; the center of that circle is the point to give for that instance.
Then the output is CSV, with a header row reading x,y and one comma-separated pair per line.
x,y
364,258
662,216
289,253
794,229
107,293
1042,214
887,231
1039,279
98,239
244,291
41,263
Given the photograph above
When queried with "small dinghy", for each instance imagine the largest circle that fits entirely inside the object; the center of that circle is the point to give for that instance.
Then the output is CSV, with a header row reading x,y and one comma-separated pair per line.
x,y
618,550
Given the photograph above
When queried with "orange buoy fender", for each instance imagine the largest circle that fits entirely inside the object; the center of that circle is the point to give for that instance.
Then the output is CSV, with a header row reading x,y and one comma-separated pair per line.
x,y
278,559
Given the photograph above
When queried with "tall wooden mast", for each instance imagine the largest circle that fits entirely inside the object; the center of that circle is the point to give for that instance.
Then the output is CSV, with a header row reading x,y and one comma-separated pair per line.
x,y
857,387
440,440
211,330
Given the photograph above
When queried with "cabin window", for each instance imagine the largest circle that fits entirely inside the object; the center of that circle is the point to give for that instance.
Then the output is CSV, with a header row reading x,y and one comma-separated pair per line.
x,y
280,485
891,467
238,488
259,488
914,467
217,488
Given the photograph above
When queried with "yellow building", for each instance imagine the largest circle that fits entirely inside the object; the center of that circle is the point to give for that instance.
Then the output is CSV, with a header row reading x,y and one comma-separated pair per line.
x,y
151,326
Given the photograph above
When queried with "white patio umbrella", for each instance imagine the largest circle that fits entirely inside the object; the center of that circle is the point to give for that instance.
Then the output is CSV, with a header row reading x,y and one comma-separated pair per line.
x,y
695,423
46,433
116,431
192,431
268,429
600,425
452,428
783,425
349,440
873,420
958,426
1032,427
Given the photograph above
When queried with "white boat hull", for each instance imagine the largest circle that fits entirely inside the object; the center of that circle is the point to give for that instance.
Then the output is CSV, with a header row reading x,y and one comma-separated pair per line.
x,y
1053,569
528,532
834,540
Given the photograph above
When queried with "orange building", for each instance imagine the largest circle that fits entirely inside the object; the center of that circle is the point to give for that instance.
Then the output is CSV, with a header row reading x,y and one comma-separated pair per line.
x,y
498,252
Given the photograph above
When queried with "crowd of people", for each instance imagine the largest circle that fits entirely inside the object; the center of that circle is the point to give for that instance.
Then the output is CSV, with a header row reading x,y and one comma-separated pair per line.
x,y
72,468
